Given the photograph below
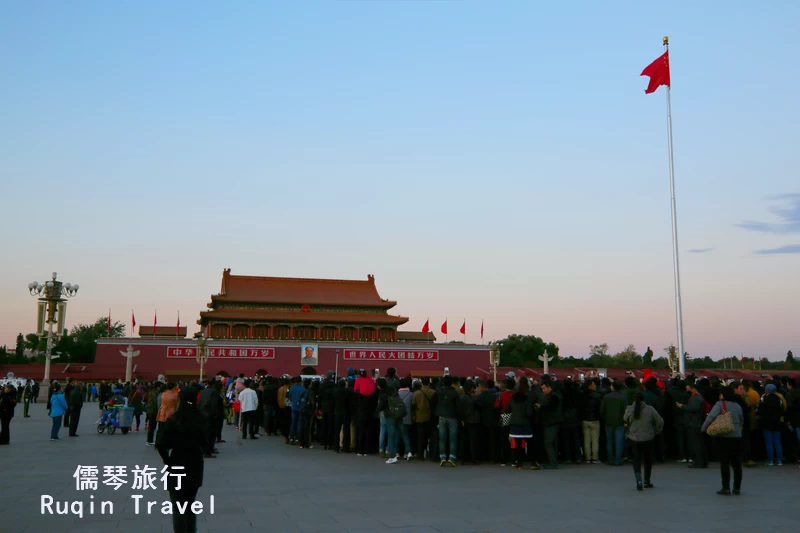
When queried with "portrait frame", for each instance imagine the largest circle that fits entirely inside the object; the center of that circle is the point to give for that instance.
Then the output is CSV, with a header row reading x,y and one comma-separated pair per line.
x,y
314,355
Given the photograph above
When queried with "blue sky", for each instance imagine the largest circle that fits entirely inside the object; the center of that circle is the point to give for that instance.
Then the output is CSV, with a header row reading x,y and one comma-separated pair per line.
x,y
494,160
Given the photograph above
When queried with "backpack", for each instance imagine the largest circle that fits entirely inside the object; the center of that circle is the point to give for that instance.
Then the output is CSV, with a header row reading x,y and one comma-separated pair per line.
x,y
395,407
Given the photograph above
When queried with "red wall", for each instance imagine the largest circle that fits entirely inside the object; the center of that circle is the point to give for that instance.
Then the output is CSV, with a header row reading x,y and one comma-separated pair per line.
x,y
152,360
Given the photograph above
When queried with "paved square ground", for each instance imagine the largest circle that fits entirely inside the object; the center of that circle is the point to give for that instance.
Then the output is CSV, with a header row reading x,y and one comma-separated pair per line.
x,y
272,487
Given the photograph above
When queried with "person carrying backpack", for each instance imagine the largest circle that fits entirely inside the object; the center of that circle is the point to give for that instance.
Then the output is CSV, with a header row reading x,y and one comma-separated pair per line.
x,y
393,409
696,409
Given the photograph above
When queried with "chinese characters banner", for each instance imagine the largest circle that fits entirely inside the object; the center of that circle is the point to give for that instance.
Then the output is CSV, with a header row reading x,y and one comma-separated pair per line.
x,y
182,352
350,355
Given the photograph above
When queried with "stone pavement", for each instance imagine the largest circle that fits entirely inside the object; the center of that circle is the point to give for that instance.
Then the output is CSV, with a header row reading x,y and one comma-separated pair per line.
x,y
272,487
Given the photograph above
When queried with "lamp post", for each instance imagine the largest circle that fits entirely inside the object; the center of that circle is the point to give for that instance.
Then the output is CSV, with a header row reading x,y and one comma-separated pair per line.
x,y
202,353
494,358
52,301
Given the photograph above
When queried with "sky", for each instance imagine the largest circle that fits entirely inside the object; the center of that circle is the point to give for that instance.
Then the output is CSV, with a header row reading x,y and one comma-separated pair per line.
x,y
484,160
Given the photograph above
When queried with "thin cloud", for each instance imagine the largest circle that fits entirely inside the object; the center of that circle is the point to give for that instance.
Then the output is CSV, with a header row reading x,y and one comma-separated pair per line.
x,y
787,213
700,250
788,249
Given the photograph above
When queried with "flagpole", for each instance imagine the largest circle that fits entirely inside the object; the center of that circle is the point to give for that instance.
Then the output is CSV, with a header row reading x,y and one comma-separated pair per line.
x,y
675,261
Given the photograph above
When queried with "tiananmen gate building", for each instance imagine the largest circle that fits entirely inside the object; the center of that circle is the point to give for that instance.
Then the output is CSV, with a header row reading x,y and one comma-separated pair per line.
x,y
282,325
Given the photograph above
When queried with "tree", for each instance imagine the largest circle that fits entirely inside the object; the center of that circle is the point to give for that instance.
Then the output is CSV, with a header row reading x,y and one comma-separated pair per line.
x,y
524,350
598,349
83,343
790,357
647,359
35,343
629,357
19,350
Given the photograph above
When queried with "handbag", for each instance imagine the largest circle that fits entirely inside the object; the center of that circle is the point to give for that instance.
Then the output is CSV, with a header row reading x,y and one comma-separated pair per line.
x,y
722,425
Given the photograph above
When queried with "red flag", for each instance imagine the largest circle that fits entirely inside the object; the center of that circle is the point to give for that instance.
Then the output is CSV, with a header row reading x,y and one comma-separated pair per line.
x,y
427,327
109,322
155,322
481,329
178,327
463,329
658,71
133,320
444,327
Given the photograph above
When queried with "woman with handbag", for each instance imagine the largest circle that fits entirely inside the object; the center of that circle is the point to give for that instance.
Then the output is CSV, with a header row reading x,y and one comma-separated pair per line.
x,y
724,423
643,423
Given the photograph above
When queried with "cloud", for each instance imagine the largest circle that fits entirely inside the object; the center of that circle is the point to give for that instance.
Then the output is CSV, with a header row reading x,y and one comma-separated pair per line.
x,y
788,249
700,250
787,213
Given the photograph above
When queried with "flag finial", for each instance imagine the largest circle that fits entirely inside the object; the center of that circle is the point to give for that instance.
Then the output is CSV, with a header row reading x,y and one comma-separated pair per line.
x,y
666,41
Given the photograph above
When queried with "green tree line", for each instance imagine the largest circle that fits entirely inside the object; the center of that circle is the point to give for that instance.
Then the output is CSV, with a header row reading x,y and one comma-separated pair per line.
x,y
523,351
78,345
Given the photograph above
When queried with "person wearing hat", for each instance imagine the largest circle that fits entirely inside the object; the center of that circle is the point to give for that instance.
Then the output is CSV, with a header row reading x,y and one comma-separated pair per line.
x,y
770,414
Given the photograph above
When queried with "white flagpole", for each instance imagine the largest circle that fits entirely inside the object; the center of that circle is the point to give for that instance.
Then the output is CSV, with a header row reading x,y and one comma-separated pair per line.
x,y
675,261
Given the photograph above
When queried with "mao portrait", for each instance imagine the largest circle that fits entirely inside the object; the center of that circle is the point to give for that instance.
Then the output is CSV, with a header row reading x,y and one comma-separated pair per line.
x,y
308,355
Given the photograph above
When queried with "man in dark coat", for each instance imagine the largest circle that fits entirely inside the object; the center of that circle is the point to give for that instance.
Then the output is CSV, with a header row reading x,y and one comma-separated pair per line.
x,y
211,409
8,401
67,395
489,416
327,407
181,447
75,403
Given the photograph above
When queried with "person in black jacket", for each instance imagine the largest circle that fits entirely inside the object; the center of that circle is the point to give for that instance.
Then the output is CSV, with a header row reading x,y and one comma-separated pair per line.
x,y
8,401
211,409
589,412
181,444
571,427
327,408
470,418
270,397
67,396
342,415
485,405
75,402
445,406
520,406
770,415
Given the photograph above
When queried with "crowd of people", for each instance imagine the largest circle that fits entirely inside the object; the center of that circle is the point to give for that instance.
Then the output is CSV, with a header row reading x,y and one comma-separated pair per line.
x,y
451,420
521,422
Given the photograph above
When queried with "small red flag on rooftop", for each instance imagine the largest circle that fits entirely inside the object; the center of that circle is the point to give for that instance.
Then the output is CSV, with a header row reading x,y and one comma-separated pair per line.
x,y
481,329
427,327
463,329
444,327
155,321
178,326
658,71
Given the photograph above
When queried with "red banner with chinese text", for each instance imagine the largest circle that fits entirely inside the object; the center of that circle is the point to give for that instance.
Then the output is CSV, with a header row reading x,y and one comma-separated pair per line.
x,y
394,355
218,352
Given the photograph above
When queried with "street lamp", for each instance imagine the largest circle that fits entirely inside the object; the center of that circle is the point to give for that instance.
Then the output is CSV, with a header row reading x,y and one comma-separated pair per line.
x,y
52,297
202,353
